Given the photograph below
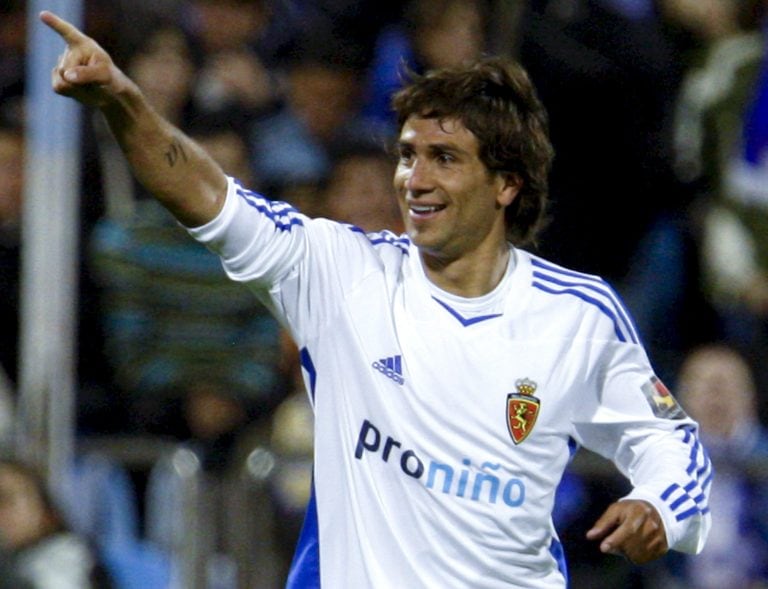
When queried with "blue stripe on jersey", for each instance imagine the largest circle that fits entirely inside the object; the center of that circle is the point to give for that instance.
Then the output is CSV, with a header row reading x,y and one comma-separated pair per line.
x,y
691,499
305,566
309,366
571,281
558,553
588,299
573,447
465,321
282,214
377,237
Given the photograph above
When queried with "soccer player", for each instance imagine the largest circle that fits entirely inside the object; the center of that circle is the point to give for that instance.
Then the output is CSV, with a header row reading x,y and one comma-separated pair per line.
x,y
452,373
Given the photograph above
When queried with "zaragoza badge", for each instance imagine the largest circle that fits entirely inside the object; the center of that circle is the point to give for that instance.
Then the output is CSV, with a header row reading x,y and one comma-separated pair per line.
x,y
522,410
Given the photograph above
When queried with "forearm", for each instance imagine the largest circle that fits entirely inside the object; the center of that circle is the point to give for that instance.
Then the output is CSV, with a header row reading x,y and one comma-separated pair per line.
x,y
674,475
170,165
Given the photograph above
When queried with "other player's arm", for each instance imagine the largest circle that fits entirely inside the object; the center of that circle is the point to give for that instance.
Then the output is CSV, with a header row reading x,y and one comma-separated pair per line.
x,y
168,163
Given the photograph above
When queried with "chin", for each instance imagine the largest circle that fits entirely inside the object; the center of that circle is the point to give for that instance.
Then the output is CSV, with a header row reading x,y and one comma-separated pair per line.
x,y
418,239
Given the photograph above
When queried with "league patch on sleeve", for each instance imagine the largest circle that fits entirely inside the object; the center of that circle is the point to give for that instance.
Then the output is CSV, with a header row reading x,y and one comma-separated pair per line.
x,y
662,403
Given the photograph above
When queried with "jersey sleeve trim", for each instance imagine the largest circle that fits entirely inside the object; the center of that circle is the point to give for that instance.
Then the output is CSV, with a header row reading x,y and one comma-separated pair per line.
x,y
691,499
401,242
283,215
591,289
683,503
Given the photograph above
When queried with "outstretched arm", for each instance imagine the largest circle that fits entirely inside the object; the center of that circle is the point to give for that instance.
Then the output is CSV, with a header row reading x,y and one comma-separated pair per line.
x,y
168,163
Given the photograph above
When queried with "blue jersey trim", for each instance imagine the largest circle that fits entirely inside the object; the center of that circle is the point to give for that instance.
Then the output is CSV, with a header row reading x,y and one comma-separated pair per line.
x,y
305,566
401,242
465,321
691,499
282,214
558,553
588,299
571,282
573,447
309,366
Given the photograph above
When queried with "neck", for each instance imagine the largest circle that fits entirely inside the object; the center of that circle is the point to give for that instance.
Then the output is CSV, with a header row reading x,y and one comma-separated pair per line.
x,y
468,276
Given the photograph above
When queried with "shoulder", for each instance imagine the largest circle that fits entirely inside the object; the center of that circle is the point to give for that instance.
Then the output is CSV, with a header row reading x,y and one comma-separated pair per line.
x,y
579,295
346,244
553,278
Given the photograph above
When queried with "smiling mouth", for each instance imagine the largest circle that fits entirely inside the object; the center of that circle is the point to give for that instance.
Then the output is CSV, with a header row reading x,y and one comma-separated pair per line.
x,y
425,209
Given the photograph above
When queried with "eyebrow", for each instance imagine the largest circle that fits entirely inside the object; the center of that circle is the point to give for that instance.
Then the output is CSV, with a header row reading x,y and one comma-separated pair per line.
x,y
433,147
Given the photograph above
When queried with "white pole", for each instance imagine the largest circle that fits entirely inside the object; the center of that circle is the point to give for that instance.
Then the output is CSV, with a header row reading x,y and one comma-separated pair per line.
x,y
50,227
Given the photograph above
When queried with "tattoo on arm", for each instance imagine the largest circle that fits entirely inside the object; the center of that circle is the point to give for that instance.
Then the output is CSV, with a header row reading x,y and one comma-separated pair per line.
x,y
175,153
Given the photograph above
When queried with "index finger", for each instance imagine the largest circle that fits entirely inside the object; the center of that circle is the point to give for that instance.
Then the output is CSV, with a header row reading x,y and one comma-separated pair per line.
x,y
69,32
615,542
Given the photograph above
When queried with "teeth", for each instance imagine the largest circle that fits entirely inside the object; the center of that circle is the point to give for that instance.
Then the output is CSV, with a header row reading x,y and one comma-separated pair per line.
x,y
425,208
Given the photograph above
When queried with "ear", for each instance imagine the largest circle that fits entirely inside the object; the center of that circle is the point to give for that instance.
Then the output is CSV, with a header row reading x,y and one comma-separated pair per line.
x,y
511,184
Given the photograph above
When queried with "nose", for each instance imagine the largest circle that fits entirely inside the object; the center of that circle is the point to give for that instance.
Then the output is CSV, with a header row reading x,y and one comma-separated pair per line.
x,y
418,178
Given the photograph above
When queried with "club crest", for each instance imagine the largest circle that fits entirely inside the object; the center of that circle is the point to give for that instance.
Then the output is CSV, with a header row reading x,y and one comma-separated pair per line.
x,y
522,410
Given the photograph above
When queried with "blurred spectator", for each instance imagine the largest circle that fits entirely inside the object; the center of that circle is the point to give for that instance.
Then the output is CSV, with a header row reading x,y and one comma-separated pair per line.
x,y
608,79
162,65
716,387
266,26
194,352
431,33
13,43
11,192
38,550
358,22
291,147
708,21
196,356
608,72
98,499
236,47
359,189
292,441
721,134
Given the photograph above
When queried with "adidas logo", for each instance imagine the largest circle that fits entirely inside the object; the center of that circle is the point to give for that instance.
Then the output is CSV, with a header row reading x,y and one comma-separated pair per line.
x,y
391,367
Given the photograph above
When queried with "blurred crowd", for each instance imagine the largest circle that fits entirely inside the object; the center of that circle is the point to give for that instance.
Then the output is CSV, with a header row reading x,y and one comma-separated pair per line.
x,y
659,118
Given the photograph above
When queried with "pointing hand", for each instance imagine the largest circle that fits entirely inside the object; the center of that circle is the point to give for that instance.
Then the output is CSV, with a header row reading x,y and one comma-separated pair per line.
x,y
85,71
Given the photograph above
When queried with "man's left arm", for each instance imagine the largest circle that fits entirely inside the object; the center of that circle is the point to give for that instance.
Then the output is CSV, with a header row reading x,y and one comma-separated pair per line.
x,y
637,424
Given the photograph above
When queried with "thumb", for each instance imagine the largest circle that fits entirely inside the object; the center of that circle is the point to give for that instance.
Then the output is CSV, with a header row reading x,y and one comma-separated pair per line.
x,y
92,73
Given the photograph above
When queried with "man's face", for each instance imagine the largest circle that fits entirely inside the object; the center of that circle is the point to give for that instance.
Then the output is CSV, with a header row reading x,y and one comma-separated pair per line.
x,y
717,391
451,204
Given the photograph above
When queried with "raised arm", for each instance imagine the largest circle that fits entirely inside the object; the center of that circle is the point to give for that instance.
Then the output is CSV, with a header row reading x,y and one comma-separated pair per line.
x,y
169,164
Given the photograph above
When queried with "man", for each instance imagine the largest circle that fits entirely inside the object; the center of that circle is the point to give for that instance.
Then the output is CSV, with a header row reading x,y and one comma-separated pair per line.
x,y
452,374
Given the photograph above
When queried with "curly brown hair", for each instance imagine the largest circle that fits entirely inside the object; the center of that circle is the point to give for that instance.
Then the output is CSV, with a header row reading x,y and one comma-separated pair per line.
x,y
495,100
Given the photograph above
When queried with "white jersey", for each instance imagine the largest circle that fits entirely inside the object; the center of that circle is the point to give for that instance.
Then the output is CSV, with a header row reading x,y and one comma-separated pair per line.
x,y
443,424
